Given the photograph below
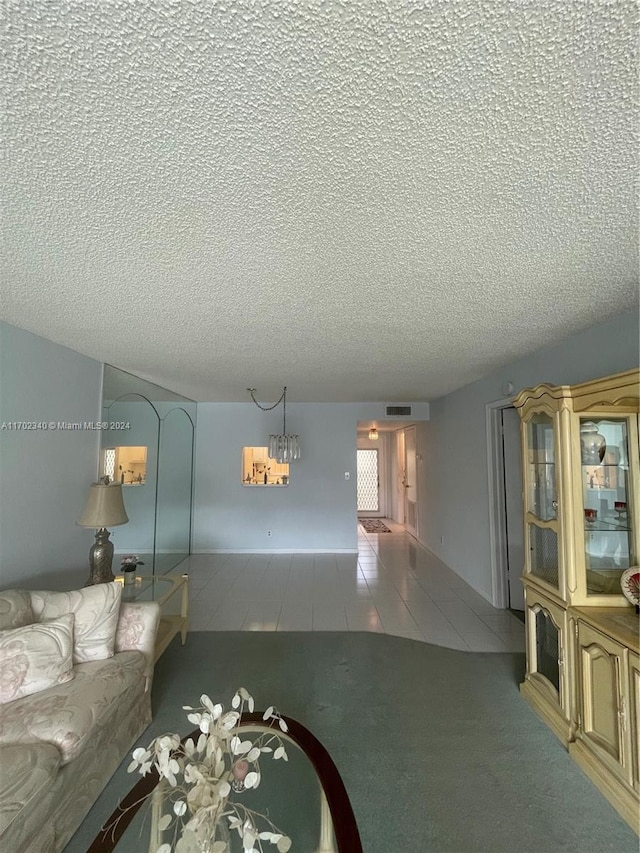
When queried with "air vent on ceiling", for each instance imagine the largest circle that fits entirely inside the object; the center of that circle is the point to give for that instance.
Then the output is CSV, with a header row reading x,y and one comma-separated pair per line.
x,y
398,411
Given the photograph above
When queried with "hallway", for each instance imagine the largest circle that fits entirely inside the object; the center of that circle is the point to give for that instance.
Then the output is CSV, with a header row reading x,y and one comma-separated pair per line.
x,y
391,586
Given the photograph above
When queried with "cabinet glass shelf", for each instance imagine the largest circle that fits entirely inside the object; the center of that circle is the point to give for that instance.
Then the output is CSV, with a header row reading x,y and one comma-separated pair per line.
x,y
606,525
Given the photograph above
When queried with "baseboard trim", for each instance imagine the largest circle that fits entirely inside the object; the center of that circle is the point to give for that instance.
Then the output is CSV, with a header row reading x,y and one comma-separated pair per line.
x,y
433,554
277,551
624,801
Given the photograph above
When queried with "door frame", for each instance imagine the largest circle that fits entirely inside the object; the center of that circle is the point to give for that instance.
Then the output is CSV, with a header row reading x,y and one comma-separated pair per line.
x,y
416,533
497,512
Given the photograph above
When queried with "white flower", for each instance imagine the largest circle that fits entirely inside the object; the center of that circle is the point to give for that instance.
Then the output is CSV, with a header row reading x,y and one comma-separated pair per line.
x,y
251,780
201,772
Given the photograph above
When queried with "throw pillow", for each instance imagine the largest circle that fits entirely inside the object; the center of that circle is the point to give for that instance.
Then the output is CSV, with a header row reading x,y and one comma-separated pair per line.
x,y
96,609
35,657
15,609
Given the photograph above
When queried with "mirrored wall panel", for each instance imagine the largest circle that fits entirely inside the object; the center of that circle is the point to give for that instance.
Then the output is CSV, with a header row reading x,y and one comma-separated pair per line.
x,y
175,464
149,449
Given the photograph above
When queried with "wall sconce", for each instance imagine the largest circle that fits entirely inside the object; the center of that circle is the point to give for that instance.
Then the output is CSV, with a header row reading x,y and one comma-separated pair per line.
x,y
373,434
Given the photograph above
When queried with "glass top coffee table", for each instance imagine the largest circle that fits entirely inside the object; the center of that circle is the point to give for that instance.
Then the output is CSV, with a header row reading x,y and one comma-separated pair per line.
x,y
304,797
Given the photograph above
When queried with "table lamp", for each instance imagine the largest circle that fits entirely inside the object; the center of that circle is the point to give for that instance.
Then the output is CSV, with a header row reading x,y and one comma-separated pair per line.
x,y
104,508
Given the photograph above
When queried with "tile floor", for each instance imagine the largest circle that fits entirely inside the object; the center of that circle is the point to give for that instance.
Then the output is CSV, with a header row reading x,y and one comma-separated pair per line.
x,y
392,586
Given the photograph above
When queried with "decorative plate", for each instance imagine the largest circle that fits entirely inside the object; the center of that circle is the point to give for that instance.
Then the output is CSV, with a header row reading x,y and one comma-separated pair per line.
x,y
630,583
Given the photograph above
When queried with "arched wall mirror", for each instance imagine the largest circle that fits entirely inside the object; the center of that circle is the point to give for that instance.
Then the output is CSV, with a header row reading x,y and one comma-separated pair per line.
x,y
149,449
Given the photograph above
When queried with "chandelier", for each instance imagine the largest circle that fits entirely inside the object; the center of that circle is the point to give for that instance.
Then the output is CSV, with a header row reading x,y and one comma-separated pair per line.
x,y
373,434
283,447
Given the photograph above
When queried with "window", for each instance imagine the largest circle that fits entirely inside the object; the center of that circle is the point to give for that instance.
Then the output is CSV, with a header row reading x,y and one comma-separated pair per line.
x,y
367,473
259,470
126,464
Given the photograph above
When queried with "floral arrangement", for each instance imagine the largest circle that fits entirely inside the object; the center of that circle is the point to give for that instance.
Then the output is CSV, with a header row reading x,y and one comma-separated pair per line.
x,y
204,773
130,562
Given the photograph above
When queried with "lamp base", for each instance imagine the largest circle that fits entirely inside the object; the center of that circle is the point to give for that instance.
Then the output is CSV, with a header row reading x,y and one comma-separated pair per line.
x,y
100,559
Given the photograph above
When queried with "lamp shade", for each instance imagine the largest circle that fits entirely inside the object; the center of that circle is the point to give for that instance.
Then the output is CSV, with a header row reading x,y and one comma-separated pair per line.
x,y
104,507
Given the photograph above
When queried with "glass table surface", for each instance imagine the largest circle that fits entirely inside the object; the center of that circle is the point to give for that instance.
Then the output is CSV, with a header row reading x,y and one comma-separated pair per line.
x,y
304,798
147,587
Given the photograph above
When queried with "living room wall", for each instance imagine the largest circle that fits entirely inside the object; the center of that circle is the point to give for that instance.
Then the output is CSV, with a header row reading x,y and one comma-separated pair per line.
x,y
45,473
316,512
454,493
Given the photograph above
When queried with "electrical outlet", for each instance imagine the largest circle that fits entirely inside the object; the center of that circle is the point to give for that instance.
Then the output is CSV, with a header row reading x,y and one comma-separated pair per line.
x,y
268,533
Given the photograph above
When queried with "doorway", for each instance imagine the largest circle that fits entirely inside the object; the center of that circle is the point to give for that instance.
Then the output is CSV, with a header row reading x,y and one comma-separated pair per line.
x,y
506,511
368,482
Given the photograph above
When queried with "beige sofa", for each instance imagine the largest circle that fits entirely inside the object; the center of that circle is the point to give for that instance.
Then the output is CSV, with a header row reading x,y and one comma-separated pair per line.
x,y
61,743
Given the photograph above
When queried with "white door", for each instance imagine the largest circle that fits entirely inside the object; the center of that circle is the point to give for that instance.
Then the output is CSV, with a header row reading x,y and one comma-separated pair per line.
x,y
368,481
411,482
513,505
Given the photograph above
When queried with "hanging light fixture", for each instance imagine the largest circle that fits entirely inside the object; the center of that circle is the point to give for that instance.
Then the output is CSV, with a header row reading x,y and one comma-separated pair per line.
x,y
373,434
282,447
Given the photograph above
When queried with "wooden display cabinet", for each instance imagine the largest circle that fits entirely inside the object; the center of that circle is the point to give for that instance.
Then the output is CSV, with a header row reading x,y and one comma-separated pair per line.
x,y
581,490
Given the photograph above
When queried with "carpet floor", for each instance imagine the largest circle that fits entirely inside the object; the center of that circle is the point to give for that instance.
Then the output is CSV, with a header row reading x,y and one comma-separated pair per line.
x,y
437,749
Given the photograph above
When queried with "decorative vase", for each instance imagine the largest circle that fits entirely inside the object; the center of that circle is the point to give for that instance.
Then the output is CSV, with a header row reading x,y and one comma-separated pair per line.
x,y
129,573
593,445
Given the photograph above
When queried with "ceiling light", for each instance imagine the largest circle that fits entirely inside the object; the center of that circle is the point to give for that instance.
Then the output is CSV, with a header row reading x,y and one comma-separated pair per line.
x,y
373,434
283,447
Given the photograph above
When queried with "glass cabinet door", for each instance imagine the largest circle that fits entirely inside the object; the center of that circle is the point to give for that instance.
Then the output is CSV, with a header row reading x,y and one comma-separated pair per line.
x,y
606,501
541,498
542,470
547,662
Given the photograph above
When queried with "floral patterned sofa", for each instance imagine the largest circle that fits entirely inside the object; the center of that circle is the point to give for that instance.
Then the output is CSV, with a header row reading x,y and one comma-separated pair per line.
x,y
75,678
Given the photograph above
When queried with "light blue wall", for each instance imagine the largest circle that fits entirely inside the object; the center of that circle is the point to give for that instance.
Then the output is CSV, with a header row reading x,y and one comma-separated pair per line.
x,y
317,511
454,494
45,474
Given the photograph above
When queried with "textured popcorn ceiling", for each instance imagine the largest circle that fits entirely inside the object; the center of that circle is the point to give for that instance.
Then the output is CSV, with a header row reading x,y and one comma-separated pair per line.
x,y
363,200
